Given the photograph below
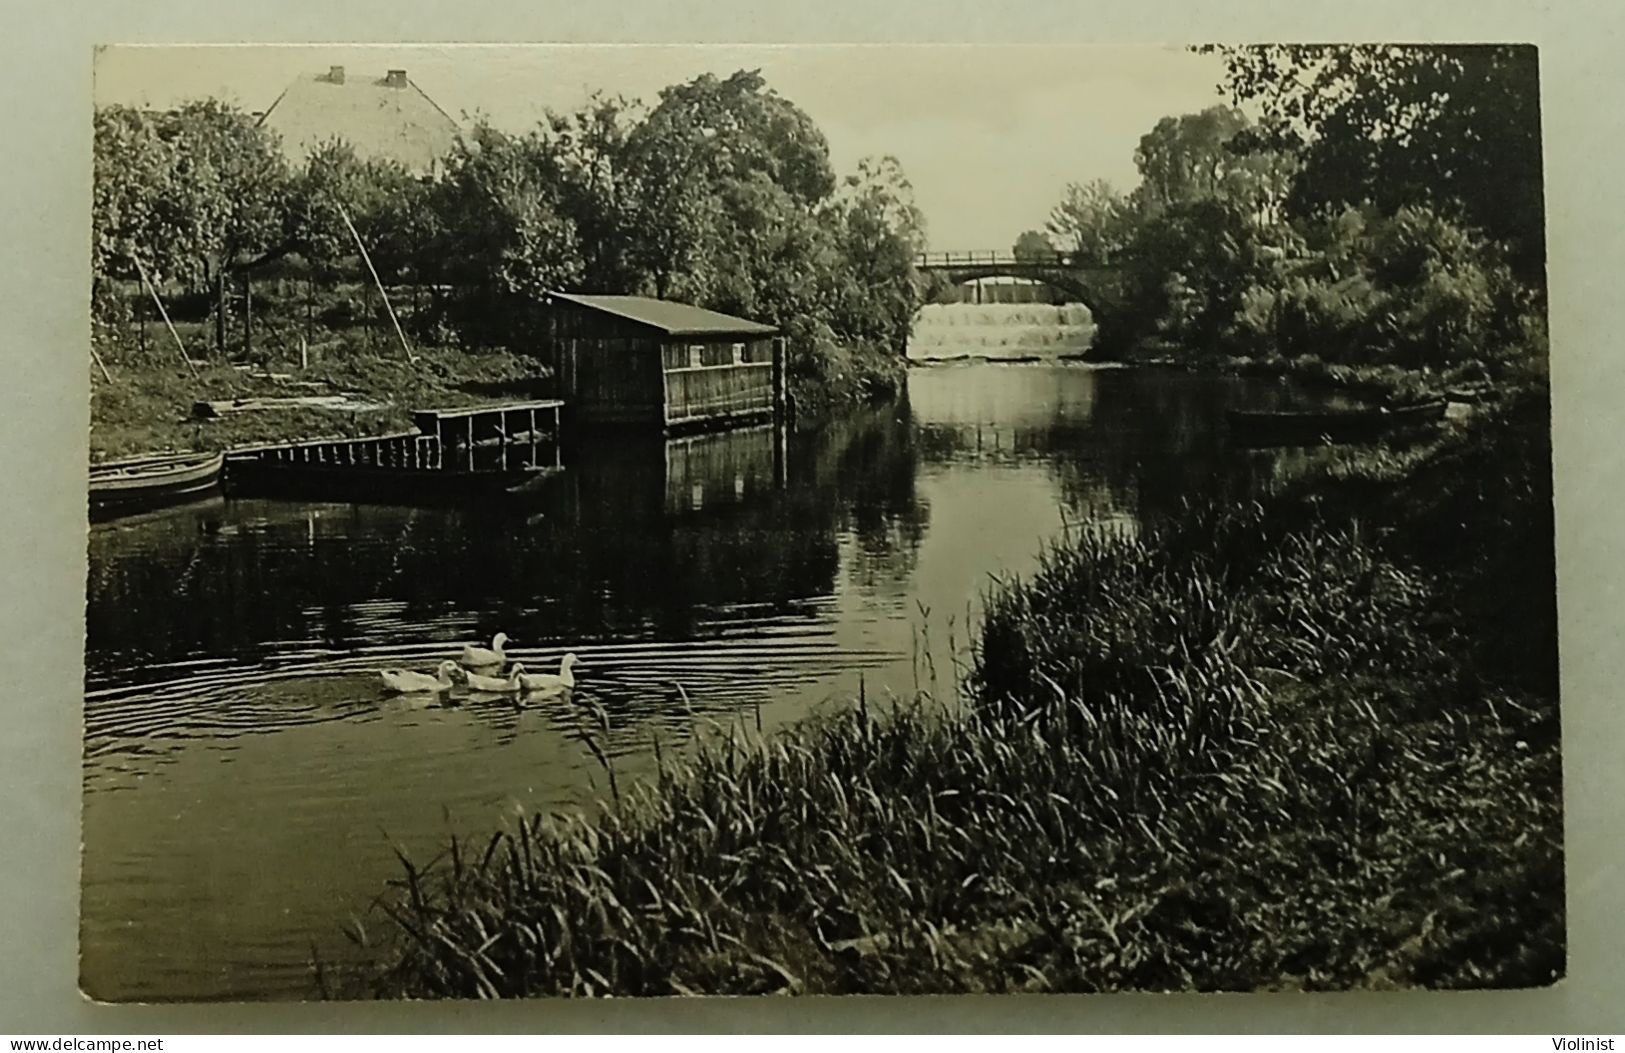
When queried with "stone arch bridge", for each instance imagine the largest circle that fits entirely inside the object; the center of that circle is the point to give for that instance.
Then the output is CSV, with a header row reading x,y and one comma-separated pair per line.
x,y
1097,287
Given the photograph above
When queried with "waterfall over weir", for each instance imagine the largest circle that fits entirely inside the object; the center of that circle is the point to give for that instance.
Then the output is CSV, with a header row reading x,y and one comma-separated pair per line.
x,y
1000,332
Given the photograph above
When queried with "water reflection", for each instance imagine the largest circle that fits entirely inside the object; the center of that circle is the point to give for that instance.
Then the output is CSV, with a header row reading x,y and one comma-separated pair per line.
x,y
242,769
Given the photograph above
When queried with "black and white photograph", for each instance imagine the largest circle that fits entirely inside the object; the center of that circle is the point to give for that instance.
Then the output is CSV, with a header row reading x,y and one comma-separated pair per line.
x,y
642,521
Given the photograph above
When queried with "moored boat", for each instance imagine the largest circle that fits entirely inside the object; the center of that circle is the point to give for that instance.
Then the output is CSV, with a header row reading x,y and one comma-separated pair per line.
x,y
147,482
1285,428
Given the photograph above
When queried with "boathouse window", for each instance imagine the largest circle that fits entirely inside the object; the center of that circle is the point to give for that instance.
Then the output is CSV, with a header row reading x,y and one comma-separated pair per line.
x,y
739,354
696,356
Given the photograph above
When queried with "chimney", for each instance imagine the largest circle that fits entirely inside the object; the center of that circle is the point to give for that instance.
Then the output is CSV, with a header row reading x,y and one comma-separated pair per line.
x,y
396,78
335,74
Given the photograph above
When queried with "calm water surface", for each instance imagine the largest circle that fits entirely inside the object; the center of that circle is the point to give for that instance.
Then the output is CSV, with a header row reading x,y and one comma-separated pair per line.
x,y
245,780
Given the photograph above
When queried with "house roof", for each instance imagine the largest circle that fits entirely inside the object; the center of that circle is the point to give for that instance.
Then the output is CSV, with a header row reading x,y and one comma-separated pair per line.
x,y
385,117
672,319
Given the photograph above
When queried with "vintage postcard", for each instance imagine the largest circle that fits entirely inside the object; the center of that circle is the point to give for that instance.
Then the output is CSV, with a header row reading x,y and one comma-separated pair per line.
x,y
713,520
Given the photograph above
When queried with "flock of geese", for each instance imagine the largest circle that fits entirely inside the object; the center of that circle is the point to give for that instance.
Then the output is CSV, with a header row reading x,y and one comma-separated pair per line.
x,y
480,669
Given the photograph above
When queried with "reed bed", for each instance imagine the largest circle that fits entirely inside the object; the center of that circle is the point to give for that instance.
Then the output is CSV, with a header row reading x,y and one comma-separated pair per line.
x,y
1258,746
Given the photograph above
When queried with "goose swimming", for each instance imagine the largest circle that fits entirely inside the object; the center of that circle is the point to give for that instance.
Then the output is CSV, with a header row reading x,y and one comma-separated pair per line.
x,y
548,683
502,685
406,682
477,657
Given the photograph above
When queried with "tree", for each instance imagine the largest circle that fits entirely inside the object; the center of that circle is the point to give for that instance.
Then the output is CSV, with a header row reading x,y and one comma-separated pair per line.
x,y
1184,159
378,197
1033,245
879,233
1090,222
703,137
235,182
1196,157
506,237
1188,270
196,192
589,151
1456,127
738,126
132,213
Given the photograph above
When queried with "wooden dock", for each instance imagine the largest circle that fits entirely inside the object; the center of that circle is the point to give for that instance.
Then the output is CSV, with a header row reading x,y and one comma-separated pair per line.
x,y
460,451
401,449
500,424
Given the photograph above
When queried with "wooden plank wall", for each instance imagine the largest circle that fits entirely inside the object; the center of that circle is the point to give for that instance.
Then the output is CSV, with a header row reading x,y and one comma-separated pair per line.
x,y
614,380
711,391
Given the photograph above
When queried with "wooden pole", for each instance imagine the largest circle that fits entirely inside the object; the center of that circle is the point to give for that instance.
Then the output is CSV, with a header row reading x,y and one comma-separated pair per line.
x,y
220,311
248,315
100,365
165,315
410,357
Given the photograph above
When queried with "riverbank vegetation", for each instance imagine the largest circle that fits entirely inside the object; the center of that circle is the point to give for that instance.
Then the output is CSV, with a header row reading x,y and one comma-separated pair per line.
x,y
1303,741
720,194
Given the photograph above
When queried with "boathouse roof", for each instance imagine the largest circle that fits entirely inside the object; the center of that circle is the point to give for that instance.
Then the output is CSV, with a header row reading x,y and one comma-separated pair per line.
x,y
384,118
670,318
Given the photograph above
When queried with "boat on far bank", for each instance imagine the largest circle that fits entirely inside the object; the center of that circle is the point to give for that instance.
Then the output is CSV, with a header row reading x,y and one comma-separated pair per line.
x,y
149,482
1289,428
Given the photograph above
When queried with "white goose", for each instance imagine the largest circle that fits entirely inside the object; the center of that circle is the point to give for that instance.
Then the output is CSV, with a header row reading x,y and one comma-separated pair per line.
x,y
477,657
548,683
407,682
501,685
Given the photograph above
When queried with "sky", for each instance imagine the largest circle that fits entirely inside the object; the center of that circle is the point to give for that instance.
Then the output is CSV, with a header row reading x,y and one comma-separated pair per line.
x,y
988,135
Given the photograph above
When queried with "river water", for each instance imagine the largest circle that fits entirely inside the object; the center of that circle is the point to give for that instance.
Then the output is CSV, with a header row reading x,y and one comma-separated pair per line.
x,y
246,782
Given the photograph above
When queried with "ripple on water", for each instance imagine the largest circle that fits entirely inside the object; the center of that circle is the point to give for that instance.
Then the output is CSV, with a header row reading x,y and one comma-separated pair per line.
x,y
304,685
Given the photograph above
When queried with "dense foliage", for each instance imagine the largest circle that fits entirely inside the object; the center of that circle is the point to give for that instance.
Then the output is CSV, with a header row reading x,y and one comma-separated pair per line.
x,y
1384,208
1452,127
721,194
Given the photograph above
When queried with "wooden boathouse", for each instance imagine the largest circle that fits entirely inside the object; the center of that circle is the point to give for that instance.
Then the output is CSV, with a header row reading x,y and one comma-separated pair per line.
x,y
640,361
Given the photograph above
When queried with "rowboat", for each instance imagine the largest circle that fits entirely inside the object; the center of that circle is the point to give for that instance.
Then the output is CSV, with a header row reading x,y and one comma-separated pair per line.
x,y
146,482
1269,428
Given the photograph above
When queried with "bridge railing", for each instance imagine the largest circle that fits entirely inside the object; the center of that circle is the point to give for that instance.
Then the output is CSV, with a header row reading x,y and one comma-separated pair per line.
x,y
988,258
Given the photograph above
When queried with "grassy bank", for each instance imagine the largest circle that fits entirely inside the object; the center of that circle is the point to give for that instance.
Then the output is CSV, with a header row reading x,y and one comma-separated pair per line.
x,y
1308,742
147,405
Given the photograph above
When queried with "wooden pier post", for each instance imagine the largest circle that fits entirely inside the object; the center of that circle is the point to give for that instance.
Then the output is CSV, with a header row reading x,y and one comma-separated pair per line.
x,y
780,382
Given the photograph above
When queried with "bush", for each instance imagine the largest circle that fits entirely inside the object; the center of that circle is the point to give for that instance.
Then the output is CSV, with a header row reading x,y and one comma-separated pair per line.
x,y
1451,296
825,372
1308,316
1413,291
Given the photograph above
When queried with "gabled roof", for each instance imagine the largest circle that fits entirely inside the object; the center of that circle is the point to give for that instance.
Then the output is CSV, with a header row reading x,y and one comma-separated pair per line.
x,y
672,319
387,118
